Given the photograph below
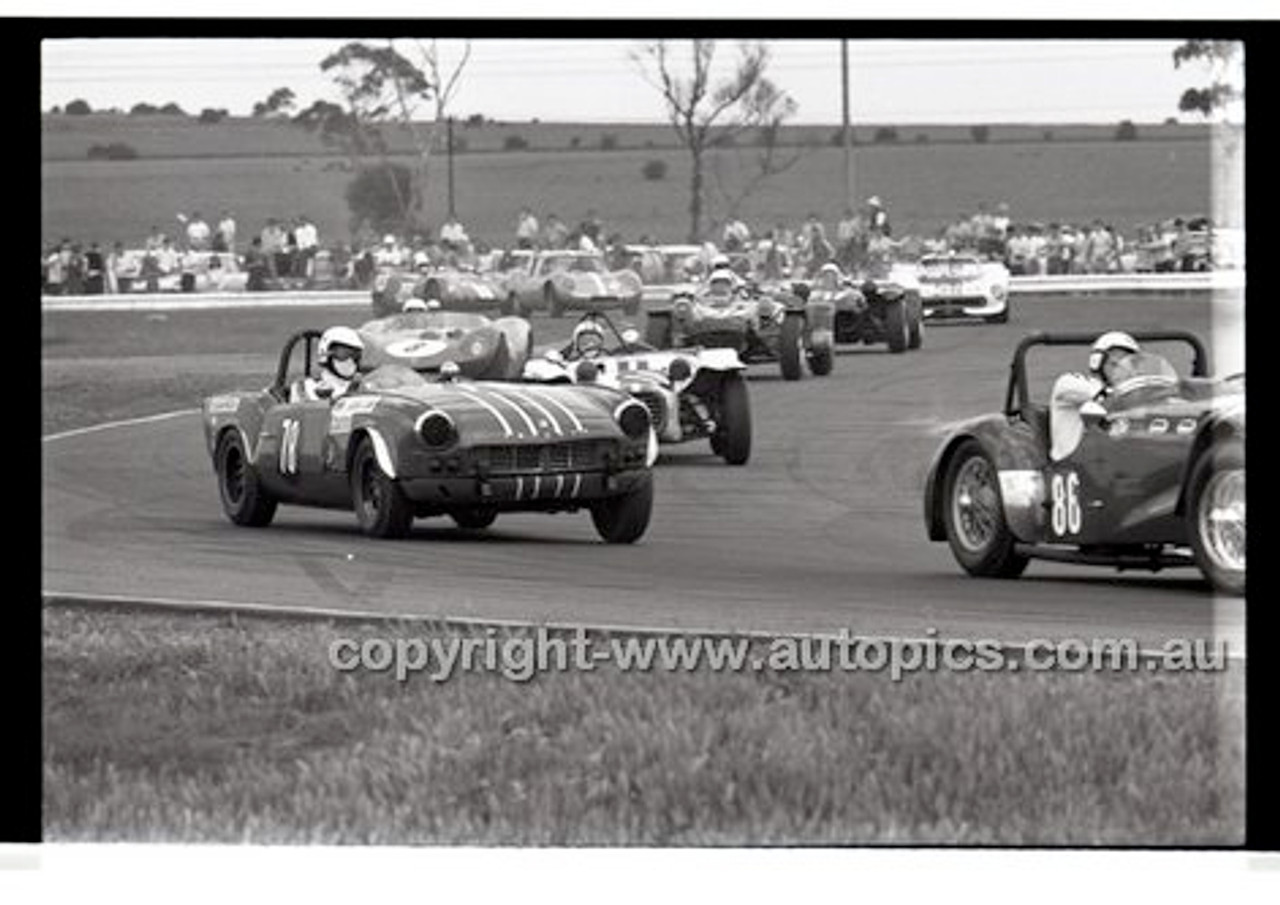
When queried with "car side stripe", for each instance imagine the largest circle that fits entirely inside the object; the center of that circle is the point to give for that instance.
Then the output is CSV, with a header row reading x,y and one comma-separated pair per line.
x,y
559,485
519,409
519,488
555,425
537,487
506,425
577,422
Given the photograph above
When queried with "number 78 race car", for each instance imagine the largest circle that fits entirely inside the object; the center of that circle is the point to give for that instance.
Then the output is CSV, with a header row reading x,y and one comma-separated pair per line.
x,y
1156,479
401,445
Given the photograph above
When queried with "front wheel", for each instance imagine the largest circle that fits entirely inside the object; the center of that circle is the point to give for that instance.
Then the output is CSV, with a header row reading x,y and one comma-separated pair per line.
x,y
474,519
623,519
791,347
915,322
822,360
732,439
381,506
976,530
1216,515
243,498
895,326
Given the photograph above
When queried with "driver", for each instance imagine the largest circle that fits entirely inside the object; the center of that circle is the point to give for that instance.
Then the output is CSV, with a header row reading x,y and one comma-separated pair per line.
x,y
338,354
587,341
828,278
1120,375
720,286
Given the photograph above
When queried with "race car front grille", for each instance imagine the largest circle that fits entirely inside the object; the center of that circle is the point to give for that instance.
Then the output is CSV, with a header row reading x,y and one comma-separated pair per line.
x,y
657,408
535,458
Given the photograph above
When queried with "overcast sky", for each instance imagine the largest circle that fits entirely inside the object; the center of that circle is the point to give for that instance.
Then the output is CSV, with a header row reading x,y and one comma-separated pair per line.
x,y
927,81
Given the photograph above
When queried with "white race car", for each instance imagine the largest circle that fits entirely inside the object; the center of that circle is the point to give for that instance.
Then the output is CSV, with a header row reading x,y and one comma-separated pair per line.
x,y
963,285
691,393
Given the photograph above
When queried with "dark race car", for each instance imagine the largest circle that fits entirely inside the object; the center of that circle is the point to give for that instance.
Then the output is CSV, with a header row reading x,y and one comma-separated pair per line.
x,y
760,323
870,311
1156,479
691,393
482,349
402,445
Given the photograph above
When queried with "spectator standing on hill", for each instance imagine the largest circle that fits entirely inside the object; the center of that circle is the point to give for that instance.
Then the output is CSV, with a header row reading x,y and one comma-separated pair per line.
x,y
453,235
736,235
198,232
592,228
1098,248
256,265
556,232
114,262
308,239
851,239
226,235
273,246
94,265
526,229
877,218
73,271
155,239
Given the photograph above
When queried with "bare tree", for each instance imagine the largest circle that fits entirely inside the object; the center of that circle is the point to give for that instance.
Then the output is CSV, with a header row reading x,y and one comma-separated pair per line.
x,y
706,114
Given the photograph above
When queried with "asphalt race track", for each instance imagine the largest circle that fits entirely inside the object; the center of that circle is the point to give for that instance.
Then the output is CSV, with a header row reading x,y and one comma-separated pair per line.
x,y
821,531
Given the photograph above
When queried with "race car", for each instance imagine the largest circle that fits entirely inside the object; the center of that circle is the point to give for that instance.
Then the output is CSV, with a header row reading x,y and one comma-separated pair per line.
x,y
691,394
482,349
666,269
761,324
868,312
557,280
462,290
1156,480
403,445
392,286
956,285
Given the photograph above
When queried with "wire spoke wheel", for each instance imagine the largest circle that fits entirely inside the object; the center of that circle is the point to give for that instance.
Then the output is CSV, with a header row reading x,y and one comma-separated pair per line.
x,y
975,505
1222,520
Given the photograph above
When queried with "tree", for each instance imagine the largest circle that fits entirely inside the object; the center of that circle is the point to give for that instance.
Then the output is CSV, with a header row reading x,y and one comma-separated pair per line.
x,y
1221,94
209,115
143,109
1126,131
704,113
980,134
78,107
278,103
376,197
1222,102
172,109
885,135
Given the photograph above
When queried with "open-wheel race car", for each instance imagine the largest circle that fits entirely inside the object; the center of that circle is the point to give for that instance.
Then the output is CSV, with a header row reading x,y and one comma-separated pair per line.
x,y
482,349
761,324
691,393
957,285
1154,479
870,311
560,280
401,445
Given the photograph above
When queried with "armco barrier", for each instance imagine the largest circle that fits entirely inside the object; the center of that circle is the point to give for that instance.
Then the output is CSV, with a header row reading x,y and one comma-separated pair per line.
x,y
1022,285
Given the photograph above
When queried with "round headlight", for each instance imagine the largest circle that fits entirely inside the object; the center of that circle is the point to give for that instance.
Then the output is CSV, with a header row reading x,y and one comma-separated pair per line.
x,y
683,308
633,418
679,369
437,430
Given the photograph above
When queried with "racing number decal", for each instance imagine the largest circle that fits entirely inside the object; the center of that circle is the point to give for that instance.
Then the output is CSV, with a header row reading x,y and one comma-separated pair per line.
x,y
1066,503
290,429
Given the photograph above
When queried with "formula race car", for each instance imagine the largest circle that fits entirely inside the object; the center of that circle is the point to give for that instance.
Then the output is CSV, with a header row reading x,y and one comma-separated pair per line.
x,y
691,394
482,349
963,285
761,324
402,445
869,312
556,281
1156,479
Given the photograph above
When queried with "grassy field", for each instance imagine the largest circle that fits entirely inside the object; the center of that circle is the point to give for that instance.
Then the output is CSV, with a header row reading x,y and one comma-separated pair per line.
x,y
261,170
164,727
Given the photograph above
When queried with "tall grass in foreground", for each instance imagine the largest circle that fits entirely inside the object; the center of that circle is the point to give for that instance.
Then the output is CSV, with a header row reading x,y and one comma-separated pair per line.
x,y
205,728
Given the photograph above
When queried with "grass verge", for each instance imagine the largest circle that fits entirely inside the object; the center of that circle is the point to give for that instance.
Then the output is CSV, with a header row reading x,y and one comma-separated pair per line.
x,y
182,727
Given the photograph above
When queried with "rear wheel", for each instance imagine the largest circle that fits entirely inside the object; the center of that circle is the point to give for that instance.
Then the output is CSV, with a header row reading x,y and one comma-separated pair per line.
x,y
1216,515
381,506
791,347
474,519
732,440
243,498
976,530
895,326
623,519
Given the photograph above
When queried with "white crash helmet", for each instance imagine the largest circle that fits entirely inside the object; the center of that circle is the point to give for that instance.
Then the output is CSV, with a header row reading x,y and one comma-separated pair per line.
x,y
722,275
1115,339
829,275
588,337
414,305
720,262
339,351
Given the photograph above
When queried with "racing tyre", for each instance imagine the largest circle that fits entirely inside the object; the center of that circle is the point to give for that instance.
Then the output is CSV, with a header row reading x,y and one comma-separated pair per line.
x,y
474,519
895,326
915,322
791,347
381,506
732,440
1215,515
623,519
243,498
555,307
822,360
657,330
974,515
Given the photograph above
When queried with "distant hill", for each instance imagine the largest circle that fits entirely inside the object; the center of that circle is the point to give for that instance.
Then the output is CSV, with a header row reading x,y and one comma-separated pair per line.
x,y
71,137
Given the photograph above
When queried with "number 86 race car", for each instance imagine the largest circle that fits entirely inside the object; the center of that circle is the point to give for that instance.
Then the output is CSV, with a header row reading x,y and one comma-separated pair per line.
x,y
1155,481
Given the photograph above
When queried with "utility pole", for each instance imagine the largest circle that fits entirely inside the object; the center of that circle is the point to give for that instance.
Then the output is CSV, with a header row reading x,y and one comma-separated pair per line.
x,y
847,133
449,140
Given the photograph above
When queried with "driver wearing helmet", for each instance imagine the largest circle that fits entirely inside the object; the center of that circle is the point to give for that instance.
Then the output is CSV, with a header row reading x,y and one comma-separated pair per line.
x,y
720,286
338,355
828,278
587,341
1120,375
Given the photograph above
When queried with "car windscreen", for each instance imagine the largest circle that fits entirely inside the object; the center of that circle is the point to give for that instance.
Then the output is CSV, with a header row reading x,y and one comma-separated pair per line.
x,y
1045,364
